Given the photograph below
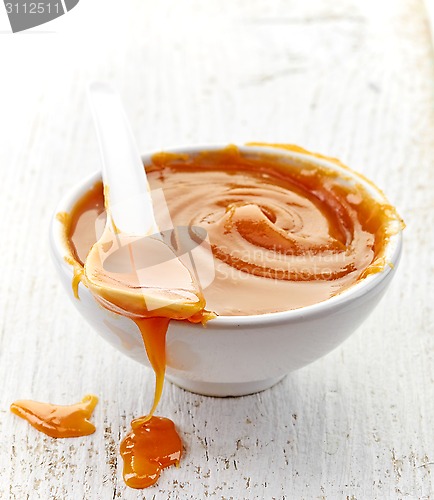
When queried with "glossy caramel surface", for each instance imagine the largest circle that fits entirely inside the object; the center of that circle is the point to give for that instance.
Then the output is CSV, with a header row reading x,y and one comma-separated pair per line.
x,y
284,234
58,421
149,447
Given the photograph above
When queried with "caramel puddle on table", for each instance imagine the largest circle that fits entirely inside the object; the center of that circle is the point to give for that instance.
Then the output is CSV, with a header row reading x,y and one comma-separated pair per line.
x,y
149,447
58,421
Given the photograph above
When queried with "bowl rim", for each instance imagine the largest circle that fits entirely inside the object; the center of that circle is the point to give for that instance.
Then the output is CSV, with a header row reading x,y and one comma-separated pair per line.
x,y
393,249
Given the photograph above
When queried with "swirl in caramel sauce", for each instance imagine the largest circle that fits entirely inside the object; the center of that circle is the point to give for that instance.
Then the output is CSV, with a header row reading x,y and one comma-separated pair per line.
x,y
284,233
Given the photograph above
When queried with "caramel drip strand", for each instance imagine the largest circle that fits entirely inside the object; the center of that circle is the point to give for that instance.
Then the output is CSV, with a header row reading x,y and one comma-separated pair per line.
x,y
149,447
58,421
153,332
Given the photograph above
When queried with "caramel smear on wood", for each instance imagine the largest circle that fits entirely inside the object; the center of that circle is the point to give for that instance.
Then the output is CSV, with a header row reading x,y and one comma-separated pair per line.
x,y
151,446
58,421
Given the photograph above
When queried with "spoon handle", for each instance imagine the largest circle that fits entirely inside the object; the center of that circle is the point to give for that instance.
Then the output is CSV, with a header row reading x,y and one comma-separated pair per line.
x,y
126,190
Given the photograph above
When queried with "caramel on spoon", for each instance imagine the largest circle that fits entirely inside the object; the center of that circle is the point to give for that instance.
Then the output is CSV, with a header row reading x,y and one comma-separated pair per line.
x,y
131,269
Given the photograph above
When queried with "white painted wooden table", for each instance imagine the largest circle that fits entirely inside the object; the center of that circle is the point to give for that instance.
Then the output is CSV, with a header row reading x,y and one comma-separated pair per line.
x,y
348,78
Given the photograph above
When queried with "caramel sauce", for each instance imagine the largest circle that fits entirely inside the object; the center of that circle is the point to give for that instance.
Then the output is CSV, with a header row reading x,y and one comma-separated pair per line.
x,y
58,421
284,234
150,446
153,332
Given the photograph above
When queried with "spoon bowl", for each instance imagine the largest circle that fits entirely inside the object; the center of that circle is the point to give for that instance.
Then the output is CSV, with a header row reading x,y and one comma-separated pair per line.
x,y
120,269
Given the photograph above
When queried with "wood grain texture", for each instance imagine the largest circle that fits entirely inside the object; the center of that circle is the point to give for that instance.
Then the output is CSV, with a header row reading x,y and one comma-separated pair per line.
x,y
348,78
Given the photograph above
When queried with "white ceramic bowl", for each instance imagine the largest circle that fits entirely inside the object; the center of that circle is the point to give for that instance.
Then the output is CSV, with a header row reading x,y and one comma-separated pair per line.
x,y
236,355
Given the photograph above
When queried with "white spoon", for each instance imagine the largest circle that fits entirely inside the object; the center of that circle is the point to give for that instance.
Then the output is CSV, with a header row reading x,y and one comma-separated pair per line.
x,y
130,269
128,200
